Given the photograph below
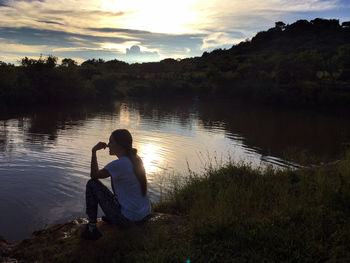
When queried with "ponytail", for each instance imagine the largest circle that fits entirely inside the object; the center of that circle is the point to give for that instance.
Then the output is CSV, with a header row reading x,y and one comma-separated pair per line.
x,y
139,170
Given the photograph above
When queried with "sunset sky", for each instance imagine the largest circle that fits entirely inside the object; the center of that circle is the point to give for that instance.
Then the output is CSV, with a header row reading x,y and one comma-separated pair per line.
x,y
139,30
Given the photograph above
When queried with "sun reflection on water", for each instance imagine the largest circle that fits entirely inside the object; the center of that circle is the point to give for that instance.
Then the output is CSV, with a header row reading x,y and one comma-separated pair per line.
x,y
124,115
151,157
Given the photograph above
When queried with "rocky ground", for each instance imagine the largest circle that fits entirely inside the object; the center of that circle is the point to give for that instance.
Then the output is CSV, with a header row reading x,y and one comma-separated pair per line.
x,y
62,242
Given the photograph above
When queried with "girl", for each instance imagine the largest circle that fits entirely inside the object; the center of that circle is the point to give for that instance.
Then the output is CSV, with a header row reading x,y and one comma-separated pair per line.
x,y
129,202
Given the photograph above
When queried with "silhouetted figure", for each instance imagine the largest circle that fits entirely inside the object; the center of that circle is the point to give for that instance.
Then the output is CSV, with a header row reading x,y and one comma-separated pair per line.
x,y
129,203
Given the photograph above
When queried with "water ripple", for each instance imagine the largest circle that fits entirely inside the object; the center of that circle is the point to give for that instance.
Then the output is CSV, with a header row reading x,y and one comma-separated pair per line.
x,y
45,155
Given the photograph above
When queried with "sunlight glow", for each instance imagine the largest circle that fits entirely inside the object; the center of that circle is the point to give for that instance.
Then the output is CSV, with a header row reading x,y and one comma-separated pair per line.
x,y
124,115
154,15
151,157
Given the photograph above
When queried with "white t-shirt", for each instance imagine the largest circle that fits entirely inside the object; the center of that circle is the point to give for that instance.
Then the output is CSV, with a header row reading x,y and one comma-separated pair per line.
x,y
134,206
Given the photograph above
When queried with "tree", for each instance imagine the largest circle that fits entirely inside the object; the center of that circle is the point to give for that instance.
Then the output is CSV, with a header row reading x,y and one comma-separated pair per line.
x,y
27,62
346,24
280,25
325,23
68,63
94,62
51,61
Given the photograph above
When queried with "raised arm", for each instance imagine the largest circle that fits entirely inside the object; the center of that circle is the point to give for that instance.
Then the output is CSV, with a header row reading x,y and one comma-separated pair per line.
x,y
95,173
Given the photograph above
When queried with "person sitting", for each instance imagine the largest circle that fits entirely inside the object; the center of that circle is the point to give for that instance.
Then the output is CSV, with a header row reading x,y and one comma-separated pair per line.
x,y
129,201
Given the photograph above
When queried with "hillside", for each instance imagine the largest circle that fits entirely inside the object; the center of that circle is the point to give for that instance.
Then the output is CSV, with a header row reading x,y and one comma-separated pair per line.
x,y
305,63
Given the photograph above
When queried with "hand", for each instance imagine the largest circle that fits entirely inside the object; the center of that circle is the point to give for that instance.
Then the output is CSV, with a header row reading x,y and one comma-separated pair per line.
x,y
99,146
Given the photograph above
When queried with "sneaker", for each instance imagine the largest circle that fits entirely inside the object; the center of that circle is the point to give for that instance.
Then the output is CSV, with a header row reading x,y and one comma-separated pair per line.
x,y
91,234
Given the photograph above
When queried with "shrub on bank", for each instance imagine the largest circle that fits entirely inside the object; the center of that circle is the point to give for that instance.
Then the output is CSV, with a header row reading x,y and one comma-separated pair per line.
x,y
237,213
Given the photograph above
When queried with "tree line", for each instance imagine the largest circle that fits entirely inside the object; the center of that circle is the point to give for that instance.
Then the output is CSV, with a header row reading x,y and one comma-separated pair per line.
x,y
304,63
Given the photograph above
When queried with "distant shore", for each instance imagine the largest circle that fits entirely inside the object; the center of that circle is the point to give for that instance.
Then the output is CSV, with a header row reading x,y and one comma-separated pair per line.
x,y
303,64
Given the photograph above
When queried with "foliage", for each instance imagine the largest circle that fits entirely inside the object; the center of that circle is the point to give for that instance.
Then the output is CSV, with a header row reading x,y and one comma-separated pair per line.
x,y
238,214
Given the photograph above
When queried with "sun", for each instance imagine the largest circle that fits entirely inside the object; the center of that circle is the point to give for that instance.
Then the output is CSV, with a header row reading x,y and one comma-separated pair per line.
x,y
155,15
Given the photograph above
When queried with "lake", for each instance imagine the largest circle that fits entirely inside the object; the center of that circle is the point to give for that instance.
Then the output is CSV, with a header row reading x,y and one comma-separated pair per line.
x,y
45,151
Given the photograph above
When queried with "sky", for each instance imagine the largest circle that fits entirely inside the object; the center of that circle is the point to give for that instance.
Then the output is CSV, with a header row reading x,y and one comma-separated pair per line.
x,y
144,30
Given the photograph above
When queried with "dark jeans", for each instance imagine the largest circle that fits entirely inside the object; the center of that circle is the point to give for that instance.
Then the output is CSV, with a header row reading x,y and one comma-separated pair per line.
x,y
98,193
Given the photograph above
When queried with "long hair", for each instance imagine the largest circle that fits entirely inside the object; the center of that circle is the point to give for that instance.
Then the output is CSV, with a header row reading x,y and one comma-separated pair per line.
x,y
124,139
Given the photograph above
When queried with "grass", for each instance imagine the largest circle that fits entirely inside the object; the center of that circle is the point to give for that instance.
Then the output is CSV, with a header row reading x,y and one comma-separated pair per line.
x,y
237,213
230,214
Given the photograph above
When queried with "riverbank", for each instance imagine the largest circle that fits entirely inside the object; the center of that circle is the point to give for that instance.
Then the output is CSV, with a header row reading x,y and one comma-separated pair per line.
x,y
230,214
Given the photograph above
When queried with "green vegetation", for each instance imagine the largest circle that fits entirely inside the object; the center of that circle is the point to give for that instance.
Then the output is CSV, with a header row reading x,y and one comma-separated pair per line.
x,y
238,214
231,214
305,63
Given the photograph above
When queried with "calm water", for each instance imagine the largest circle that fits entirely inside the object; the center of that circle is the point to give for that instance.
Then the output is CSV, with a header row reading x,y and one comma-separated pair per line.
x,y
45,153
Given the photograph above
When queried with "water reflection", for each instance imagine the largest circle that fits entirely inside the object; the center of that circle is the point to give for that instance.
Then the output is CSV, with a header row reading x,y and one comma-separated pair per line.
x,y
151,156
288,134
124,115
45,152
3,137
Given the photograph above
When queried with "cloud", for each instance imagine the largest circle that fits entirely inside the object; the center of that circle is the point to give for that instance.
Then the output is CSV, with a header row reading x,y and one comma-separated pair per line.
x,y
109,28
3,3
135,54
118,30
10,58
21,48
134,50
224,15
221,39
50,22
32,36
67,15
166,45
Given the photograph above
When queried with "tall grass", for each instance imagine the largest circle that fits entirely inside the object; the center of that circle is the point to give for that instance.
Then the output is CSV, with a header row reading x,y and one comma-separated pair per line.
x,y
237,213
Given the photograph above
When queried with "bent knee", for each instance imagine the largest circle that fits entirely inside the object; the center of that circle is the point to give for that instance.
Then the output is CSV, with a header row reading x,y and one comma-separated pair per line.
x,y
92,182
